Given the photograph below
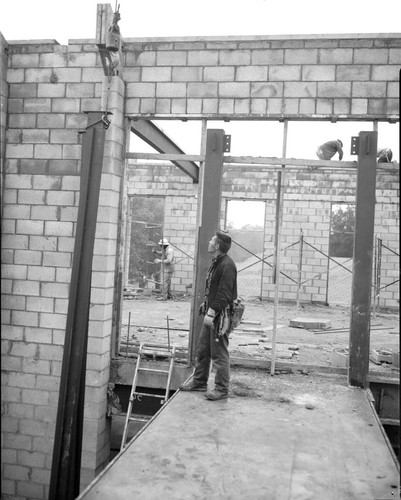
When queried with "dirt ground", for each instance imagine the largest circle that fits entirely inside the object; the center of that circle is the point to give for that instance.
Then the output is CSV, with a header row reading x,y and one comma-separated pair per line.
x,y
156,321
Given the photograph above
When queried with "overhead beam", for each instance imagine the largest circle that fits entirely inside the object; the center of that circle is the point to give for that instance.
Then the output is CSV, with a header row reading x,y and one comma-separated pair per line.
x,y
156,138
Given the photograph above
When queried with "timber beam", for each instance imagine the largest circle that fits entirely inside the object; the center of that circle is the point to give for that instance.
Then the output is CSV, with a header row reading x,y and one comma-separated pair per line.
x,y
156,138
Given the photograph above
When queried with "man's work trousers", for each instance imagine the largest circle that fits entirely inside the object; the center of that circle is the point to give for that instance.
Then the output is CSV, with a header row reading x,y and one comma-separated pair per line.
x,y
209,350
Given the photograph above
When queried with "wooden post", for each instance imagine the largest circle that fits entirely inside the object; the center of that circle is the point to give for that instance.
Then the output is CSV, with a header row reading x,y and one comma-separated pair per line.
x,y
66,464
359,341
277,244
210,187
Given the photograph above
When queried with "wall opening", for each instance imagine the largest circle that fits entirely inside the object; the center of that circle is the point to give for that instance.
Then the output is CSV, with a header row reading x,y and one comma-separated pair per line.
x,y
341,246
245,221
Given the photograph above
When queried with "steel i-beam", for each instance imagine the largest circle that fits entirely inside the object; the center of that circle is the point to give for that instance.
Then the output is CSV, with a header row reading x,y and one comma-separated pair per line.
x,y
359,342
66,464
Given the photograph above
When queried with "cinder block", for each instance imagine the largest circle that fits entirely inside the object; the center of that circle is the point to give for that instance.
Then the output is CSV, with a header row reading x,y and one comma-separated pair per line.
x,y
156,74
171,58
57,228
57,290
32,427
23,90
13,302
24,318
15,241
24,60
16,472
51,120
48,151
29,257
29,227
30,490
22,120
251,73
285,73
57,259
267,56
203,58
191,74
51,90
35,135
368,89
85,60
51,352
234,89
19,150
370,56
31,197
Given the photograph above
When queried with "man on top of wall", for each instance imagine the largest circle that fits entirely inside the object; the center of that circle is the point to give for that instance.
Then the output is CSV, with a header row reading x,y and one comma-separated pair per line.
x,y
384,155
327,150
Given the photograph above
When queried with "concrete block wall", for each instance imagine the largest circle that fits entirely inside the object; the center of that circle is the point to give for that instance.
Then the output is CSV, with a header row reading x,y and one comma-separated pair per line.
x,y
269,76
46,88
50,87
308,197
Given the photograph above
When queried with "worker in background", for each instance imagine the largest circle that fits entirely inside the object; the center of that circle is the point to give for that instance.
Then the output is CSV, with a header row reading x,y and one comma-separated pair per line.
x,y
167,261
327,150
220,292
384,155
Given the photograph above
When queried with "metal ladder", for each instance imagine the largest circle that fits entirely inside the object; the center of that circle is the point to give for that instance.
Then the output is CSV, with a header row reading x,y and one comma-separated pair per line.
x,y
152,350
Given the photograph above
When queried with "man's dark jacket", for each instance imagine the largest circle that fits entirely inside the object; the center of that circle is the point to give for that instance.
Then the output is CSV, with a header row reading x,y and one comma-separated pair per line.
x,y
223,284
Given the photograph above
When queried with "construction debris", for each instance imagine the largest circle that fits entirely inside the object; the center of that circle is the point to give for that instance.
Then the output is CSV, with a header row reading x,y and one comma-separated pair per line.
x,y
310,323
381,356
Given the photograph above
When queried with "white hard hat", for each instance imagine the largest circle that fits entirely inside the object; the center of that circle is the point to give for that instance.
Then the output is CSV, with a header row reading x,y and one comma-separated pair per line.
x,y
164,241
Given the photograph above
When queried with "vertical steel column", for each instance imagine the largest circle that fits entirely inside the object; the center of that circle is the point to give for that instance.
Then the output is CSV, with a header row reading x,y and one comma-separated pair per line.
x,y
359,341
210,186
66,465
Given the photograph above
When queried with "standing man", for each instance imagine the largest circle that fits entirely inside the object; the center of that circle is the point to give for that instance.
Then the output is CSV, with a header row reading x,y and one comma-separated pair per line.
x,y
327,150
167,261
220,292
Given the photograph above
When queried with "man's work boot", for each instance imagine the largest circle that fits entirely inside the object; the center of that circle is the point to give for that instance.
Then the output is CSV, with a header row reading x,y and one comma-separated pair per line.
x,y
214,395
191,386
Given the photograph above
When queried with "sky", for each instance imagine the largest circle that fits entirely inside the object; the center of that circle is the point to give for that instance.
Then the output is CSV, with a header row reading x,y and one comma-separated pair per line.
x,y
76,19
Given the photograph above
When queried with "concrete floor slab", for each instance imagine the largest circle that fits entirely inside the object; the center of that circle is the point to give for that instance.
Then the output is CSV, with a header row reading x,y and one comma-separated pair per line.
x,y
282,437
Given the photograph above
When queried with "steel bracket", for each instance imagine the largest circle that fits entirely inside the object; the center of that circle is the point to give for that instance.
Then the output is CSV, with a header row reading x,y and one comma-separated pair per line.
x,y
354,145
227,143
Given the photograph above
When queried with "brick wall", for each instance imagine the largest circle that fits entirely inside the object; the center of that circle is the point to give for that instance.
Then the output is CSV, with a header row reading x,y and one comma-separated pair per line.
x,y
308,197
46,88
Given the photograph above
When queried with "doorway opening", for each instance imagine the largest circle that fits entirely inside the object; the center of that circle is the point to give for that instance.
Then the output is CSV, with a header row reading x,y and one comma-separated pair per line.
x,y
341,247
245,221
